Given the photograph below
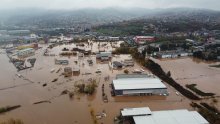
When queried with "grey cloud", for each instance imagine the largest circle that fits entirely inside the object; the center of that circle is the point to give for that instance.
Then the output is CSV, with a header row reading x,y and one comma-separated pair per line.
x,y
78,4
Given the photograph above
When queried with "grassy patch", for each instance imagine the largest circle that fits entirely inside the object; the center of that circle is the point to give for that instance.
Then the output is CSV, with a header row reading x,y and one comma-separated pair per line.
x,y
8,108
12,121
216,66
197,91
126,71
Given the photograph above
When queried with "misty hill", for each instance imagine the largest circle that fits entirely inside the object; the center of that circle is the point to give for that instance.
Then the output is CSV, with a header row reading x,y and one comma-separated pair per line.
x,y
33,18
62,18
165,21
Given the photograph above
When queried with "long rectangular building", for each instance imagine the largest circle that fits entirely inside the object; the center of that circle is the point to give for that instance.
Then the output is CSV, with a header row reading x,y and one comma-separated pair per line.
x,y
138,86
143,115
144,39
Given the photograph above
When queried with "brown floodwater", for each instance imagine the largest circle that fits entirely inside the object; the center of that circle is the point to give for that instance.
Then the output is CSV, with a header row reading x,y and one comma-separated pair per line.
x,y
62,109
194,71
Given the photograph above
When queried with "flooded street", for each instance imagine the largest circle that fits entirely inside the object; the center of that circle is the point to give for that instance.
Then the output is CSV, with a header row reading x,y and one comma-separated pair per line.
x,y
64,110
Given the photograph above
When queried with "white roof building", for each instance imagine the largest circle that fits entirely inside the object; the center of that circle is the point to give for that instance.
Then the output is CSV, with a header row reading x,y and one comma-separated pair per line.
x,y
138,83
138,86
182,116
136,111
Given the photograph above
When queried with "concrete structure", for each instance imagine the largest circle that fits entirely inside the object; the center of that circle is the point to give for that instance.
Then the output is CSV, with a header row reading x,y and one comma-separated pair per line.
x,y
144,39
113,38
53,40
172,54
104,55
128,62
61,62
145,116
127,112
25,52
117,65
79,54
138,86
76,70
102,38
68,71
33,36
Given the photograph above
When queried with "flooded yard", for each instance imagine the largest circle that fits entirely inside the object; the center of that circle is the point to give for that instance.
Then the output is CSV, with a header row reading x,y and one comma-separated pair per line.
x,y
194,71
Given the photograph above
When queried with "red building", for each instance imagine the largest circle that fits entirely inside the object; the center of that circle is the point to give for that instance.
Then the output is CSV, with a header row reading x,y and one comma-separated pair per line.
x,y
144,39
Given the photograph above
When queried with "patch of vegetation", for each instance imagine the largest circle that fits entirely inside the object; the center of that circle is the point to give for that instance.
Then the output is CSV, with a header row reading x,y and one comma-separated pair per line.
x,y
121,29
54,80
12,121
210,53
208,114
197,91
71,95
65,49
211,108
214,100
122,50
216,66
126,71
8,108
88,88
195,105
68,53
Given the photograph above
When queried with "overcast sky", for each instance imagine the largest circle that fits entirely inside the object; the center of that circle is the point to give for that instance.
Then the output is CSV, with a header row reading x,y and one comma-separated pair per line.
x,y
78,4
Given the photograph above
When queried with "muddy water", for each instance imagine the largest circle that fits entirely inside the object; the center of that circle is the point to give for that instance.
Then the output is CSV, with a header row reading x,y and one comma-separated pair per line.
x,y
62,109
191,70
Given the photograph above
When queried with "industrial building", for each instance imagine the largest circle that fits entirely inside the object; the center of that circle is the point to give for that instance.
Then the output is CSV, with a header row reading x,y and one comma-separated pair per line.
x,y
114,38
144,115
128,61
138,85
104,56
117,65
61,62
172,54
25,52
144,39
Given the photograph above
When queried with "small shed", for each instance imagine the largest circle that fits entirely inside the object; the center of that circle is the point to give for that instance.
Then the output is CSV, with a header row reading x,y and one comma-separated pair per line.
x,y
61,62
104,55
117,65
76,71
68,71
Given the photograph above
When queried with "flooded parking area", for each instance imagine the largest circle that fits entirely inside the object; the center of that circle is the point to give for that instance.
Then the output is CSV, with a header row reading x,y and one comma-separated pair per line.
x,y
39,84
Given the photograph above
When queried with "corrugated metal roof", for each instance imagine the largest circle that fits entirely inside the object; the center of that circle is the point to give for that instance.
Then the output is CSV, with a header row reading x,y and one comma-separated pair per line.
x,y
136,111
171,117
137,83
